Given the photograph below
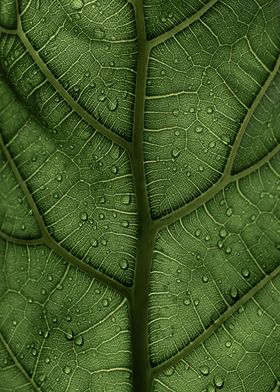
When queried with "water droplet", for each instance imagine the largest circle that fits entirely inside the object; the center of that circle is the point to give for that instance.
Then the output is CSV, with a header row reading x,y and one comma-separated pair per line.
x,y
125,224
259,312
79,340
92,84
47,360
67,370
175,112
192,110
200,168
229,211
205,278
43,291
14,322
209,110
114,169
23,227
69,335
101,98
59,177
233,292
228,250
42,377
168,372
197,233
212,144
175,152
246,273
123,264
187,301
77,4
196,302
105,303
112,104
34,352
84,216
198,129
94,242
126,199
204,370
218,381
223,233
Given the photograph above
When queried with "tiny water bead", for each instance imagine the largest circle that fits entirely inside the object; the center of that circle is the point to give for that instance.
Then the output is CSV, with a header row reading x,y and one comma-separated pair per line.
x,y
204,370
245,272
105,303
126,199
228,344
169,372
67,370
112,105
77,4
123,264
94,242
175,152
233,292
79,340
187,301
223,233
218,381
83,216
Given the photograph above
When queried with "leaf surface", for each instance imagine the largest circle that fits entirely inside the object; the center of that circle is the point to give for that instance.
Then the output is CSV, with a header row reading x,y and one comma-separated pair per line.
x,y
139,198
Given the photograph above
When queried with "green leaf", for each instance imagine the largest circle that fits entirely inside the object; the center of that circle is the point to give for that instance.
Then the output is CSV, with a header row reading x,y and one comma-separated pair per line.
x,y
139,195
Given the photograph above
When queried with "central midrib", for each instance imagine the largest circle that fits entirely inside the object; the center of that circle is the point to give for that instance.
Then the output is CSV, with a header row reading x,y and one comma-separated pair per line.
x,y
142,374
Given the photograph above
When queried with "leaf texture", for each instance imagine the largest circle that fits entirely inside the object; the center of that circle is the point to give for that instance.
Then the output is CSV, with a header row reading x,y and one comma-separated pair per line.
x,y
139,196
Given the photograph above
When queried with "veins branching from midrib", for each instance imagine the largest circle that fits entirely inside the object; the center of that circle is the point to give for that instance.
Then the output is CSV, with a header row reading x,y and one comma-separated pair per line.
x,y
142,376
227,176
51,243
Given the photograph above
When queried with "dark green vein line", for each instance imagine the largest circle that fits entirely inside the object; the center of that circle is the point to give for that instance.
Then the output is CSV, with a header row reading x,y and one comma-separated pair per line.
x,y
168,219
181,26
8,31
226,177
68,98
213,327
18,365
51,243
248,118
142,380
82,266
21,241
